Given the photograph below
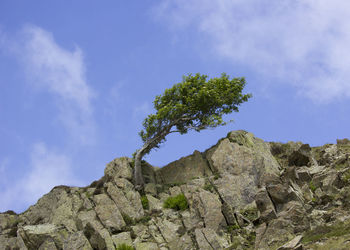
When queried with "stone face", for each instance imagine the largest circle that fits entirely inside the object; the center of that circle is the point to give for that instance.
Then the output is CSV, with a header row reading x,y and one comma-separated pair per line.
x,y
185,169
77,241
122,238
43,235
129,204
119,168
209,208
242,193
244,160
108,213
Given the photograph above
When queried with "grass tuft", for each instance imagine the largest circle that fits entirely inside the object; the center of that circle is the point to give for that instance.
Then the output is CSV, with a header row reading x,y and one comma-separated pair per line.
x,y
178,202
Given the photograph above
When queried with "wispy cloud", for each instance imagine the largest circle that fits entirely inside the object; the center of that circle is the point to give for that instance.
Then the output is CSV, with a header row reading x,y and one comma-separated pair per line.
x,y
47,169
304,43
61,73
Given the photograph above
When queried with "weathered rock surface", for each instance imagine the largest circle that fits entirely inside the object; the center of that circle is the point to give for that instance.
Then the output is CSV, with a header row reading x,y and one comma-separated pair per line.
x,y
242,193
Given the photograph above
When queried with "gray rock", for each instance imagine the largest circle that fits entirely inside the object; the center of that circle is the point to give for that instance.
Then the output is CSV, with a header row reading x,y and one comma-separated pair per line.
x,y
202,241
293,244
146,246
185,169
77,240
119,168
154,203
108,213
245,161
209,207
265,206
122,238
183,243
300,157
131,206
150,188
43,235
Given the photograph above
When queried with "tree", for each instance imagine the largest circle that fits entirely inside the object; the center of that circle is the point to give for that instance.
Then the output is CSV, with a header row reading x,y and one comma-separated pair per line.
x,y
194,104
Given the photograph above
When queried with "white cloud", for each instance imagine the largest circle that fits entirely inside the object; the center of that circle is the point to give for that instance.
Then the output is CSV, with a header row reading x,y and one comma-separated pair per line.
x,y
47,169
304,43
62,73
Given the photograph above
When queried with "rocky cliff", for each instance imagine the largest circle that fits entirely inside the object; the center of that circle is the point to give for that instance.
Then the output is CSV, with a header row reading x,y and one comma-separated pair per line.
x,y
242,193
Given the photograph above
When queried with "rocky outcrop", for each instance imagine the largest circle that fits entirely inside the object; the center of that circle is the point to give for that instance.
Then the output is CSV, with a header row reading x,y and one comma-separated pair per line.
x,y
242,193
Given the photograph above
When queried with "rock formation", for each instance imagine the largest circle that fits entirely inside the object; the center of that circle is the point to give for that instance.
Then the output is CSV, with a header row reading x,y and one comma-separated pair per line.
x,y
242,193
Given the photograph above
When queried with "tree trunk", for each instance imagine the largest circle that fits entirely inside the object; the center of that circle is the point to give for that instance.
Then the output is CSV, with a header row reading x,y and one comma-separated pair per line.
x,y
138,177
139,182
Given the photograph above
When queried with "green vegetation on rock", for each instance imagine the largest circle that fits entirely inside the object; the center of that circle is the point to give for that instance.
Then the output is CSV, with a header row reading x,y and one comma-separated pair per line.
x,y
312,186
324,231
124,247
144,201
178,202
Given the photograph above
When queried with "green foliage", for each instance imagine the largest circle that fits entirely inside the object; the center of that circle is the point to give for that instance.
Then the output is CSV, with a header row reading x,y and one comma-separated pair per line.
x,y
312,186
124,247
144,201
178,202
194,104
232,228
128,220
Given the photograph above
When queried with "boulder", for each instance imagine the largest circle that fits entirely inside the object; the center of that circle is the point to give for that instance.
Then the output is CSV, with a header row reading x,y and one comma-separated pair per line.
x,y
209,207
244,161
131,207
43,235
77,240
184,169
301,156
119,168
122,238
108,213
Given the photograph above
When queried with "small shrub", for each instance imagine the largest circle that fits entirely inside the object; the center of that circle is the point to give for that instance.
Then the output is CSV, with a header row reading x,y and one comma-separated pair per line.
x,y
144,201
124,247
178,202
312,186
128,220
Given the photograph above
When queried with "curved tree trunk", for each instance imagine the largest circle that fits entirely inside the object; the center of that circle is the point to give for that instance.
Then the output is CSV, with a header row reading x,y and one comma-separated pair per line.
x,y
139,182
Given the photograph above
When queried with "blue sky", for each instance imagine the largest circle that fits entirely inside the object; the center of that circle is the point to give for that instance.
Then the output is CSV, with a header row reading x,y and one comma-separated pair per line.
x,y
78,77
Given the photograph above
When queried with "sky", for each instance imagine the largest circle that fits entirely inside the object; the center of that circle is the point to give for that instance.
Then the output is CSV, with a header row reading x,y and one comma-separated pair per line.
x,y
77,78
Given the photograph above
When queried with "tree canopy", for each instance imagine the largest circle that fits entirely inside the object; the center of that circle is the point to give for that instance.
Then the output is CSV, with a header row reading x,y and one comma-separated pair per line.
x,y
196,103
